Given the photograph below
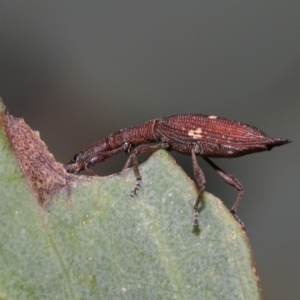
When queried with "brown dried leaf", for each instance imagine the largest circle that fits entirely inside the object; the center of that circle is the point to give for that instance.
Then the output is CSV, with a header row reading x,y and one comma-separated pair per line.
x,y
43,173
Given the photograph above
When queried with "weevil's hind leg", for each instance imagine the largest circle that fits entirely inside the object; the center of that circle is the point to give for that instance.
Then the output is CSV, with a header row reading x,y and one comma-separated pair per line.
x,y
141,149
228,178
201,183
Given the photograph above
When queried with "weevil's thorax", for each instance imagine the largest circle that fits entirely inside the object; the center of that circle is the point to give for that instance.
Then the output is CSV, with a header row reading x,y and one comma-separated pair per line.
x,y
135,135
211,136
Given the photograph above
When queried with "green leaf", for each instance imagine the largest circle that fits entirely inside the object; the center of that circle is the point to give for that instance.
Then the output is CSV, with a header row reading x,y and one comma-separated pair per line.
x,y
93,241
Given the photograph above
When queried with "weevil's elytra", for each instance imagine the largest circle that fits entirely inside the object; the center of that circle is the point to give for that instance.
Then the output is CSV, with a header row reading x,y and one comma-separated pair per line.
x,y
192,134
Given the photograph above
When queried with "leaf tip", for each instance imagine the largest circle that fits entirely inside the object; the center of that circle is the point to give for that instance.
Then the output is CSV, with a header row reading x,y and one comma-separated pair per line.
x,y
2,106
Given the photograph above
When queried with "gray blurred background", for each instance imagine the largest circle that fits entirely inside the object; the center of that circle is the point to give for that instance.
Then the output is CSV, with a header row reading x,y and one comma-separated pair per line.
x,y
77,71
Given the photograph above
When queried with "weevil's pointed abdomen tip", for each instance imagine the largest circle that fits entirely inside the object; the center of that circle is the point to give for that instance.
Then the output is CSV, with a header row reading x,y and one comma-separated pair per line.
x,y
287,141
279,142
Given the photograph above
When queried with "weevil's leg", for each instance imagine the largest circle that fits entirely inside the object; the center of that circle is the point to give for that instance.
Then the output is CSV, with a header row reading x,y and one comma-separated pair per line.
x,y
201,183
127,164
228,178
137,174
127,148
141,149
91,173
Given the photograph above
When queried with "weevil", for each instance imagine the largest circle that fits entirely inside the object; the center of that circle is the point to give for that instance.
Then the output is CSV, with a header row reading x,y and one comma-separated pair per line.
x,y
192,134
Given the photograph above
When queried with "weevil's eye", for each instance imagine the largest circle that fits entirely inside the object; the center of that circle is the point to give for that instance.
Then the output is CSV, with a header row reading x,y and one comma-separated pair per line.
x,y
74,159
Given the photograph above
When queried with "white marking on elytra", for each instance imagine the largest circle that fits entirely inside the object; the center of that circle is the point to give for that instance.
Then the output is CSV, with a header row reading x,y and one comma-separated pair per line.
x,y
212,117
195,134
230,152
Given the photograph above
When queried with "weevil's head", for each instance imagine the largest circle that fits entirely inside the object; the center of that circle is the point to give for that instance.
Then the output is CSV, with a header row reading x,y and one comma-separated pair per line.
x,y
75,164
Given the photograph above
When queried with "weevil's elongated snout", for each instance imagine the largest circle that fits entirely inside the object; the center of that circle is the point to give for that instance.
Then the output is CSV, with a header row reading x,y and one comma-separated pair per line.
x,y
74,166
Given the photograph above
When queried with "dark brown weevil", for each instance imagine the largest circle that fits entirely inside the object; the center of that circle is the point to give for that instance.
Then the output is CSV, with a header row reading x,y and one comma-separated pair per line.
x,y
192,134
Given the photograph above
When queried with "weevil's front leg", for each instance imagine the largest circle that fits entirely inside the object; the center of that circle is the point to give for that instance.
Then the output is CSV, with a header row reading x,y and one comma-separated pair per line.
x,y
228,178
141,149
201,183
